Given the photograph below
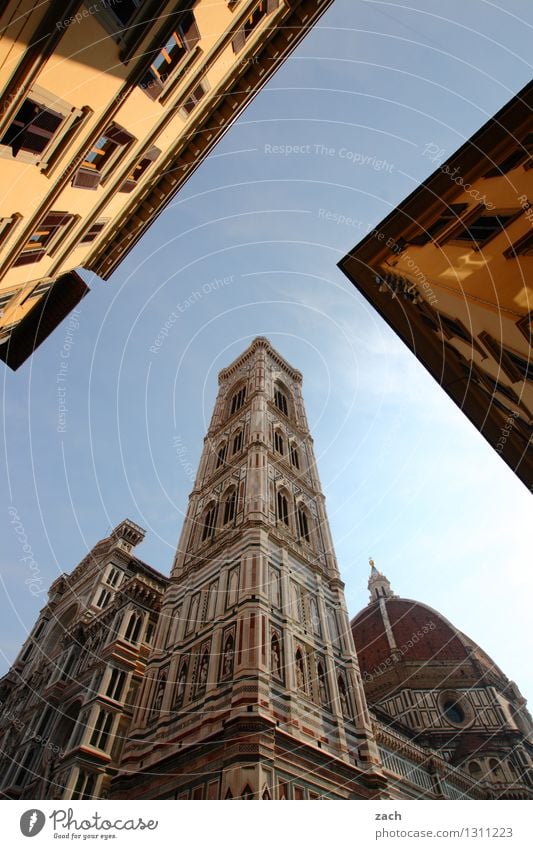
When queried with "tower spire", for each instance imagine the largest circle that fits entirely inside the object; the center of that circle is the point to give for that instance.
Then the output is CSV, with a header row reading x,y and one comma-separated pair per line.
x,y
378,585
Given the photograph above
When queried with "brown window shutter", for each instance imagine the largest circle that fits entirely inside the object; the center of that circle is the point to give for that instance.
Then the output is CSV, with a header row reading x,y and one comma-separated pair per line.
x,y
271,5
151,85
85,179
118,134
238,41
152,153
56,219
191,33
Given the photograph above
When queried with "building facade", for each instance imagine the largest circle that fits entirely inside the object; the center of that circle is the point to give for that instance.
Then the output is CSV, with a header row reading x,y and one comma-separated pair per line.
x,y
238,676
106,110
451,270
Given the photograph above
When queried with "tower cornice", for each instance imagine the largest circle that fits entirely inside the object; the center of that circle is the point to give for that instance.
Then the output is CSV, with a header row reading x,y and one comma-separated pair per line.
x,y
259,342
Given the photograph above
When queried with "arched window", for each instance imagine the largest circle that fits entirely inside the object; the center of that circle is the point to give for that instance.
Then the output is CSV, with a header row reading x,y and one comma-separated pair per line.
x,y
101,730
295,457
266,794
279,443
134,628
237,442
237,400
496,770
230,505
303,525
221,455
85,784
280,400
247,792
475,770
208,528
283,508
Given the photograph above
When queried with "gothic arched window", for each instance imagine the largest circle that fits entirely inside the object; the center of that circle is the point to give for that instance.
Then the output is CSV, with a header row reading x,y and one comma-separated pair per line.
x,y
101,730
475,770
237,400
208,528
295,457
237,442
221,455
230,505
280,400
303,524
283,508
134,628
279,443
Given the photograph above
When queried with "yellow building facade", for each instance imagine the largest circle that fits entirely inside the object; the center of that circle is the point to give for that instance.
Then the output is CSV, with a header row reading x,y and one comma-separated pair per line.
x,y
451,271
106,109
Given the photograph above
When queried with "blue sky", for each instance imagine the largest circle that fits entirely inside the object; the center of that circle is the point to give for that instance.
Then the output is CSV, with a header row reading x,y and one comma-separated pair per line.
x,y
408,480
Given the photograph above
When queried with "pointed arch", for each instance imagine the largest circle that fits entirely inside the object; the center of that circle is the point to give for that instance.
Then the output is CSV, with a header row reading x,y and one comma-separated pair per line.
x,y
247,793
322,683
343,696
299,668
294,455
275,656
282,506
303,519
237,442
266,795
230,504
203,671
229,794
282,398
237,397
227,657
279,442
209,520
221,454
183,674
233,588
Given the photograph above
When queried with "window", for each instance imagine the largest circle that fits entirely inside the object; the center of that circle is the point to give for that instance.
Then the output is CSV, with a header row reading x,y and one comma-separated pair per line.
x,y
237,442
237,400
280,400
116,684
520,156
450,214
278,443
180,42
40,289
283,509
194,98
103,598
139,169
44,238
221,455
5,298
495,386
475,770
93,231
134,628
7,225
514,365
85,785
264,8
209,523
523,366
453,712
101,730
300,671
229,506
101,157
113,576
124,10
481,229
523,247
295,459
303,525
150,628
32,128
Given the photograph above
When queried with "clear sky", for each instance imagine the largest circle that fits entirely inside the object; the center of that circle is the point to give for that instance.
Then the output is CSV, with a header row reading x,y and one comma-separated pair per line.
x,y
341,128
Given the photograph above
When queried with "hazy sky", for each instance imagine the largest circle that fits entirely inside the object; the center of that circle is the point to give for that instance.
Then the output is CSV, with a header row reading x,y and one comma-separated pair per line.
x,y
408,480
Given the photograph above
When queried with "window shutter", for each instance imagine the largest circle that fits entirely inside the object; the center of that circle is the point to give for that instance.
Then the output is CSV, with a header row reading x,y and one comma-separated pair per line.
x,y
151,85
85,179
238,41
118,134
152,153
56,219
271,5
191,33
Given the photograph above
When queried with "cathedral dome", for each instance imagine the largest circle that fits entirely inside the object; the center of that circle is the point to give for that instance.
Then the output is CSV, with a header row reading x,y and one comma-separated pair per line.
x,y
402,642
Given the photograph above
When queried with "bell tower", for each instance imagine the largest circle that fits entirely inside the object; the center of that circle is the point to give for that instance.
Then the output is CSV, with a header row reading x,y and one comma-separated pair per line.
x,y
253,688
